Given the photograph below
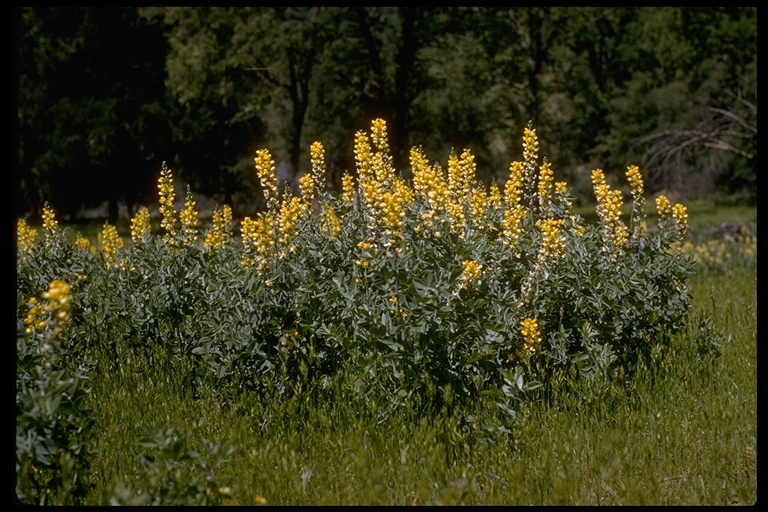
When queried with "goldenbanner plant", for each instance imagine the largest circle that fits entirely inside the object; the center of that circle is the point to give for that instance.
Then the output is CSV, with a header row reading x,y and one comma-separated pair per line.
x,y
413,297
53,423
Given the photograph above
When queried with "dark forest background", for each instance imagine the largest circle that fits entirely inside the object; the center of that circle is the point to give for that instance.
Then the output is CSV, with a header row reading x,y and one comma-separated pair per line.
x,y
104,95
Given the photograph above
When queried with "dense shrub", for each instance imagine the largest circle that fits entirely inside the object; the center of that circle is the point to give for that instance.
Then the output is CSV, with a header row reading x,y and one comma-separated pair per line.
x,y
427,292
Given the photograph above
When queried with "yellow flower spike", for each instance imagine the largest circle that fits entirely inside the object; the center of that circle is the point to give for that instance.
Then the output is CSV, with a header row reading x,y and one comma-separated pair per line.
x,y
546,181
167,201
26,236
348,189
110,242
472,270
530,159
317,160
140,225
531,334
552,244
680,214
265,170
50,224
635,181
307,188
331,225
189,220
663,207
221,230
513,189
494,196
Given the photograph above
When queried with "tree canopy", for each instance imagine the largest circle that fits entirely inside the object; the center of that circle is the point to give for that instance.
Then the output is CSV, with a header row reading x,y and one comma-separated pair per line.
x,y
106,94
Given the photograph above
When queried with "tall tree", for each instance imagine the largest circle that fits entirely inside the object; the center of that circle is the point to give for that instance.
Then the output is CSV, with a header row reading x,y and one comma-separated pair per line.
x,y
90,106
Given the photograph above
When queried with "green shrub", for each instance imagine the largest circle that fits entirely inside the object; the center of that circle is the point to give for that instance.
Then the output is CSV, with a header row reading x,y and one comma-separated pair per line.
x,y
421,295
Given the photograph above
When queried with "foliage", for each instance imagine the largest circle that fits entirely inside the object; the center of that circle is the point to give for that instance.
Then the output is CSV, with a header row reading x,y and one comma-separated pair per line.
x,y
671,88
415,297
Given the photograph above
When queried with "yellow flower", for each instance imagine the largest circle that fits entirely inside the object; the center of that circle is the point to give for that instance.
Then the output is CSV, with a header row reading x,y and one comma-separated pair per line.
x,y
317,159
635,181
26,236
54,312
513,189
265,170
258,240
546,180
221,230
552,244
49,223
189,220
110,242
530,158
331,225
167,202
531,335
307,188
681,220
663,207
494,196
472,271
290,213
615,233
140,225
82,243
348,188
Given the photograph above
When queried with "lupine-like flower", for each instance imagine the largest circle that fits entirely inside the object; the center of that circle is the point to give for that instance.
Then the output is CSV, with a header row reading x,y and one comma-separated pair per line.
x,y
514,211
461,175
82,243
368,186
393,212
50,225
140,225
290,212
379,137
472,271
258,240
531,334
221,230
189,220
110,242
331,225
615,234
552,243
494,196
513,189
34,319
681,220
546,180
513,225
317,159
663,207
478,203
307,188
635,180
265,170
530,158
429,185
167,203
26,236
348,189
52,313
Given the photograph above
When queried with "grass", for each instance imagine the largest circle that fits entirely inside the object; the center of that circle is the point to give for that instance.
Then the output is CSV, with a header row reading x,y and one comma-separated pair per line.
x,y
685,434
